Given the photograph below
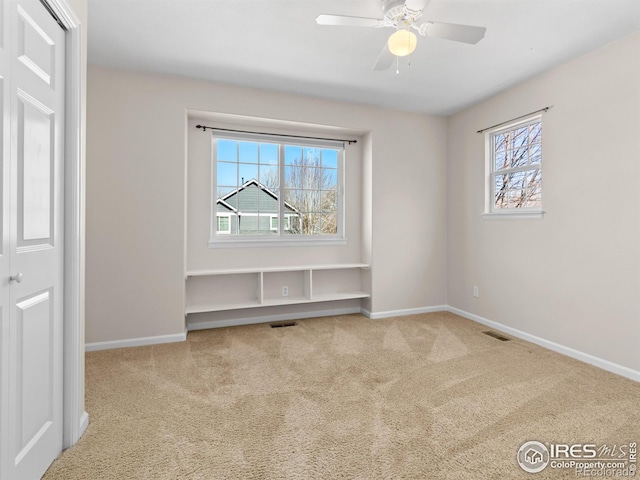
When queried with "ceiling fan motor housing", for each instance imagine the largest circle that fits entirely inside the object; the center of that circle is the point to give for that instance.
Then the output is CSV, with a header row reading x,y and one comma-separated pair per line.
x,y
393,9
398,15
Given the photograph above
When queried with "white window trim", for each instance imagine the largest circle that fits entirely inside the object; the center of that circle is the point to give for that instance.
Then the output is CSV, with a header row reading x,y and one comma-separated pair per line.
x,y
250,241
223,240
490,212
522,215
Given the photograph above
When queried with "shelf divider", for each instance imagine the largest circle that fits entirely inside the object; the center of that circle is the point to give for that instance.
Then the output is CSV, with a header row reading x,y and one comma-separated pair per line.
x,y
308,284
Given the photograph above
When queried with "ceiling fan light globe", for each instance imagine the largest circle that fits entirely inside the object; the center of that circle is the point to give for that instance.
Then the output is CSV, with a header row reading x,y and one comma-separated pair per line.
x,y
402,43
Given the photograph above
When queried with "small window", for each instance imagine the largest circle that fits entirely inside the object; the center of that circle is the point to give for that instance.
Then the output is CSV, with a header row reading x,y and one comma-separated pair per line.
x,y
274,223
223,224
515,168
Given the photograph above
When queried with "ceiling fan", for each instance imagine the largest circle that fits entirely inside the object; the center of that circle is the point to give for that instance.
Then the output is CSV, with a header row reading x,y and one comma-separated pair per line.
x,y
405,16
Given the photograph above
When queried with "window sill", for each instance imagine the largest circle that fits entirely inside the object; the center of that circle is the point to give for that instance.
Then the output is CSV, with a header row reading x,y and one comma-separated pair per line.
x,y
538,215
277,242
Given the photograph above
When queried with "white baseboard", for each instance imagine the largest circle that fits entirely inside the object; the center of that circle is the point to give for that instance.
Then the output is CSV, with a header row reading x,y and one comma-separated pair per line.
x,y
402,313
270,318
136,342
556,347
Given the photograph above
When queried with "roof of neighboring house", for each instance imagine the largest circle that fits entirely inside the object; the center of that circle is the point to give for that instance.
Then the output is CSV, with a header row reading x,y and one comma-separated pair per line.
x,y
251,194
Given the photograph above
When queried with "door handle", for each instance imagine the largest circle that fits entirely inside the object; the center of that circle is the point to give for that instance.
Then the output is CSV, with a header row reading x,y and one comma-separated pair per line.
x,y
15,278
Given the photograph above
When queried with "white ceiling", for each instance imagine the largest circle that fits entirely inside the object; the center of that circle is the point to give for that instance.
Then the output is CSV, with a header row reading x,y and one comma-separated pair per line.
x,y
276,45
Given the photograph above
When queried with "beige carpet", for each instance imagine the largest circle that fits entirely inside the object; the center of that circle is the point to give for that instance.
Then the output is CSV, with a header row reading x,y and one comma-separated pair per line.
x,y
417,397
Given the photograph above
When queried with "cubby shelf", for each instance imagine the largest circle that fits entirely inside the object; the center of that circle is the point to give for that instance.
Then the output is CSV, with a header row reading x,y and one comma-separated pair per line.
x,y
234,289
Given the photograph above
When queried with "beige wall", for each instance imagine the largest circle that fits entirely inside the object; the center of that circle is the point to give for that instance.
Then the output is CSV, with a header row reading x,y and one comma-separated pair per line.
x,y
137,143
573,277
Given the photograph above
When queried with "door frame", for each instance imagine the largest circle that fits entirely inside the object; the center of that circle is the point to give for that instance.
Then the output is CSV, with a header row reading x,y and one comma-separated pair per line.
x,y
74,417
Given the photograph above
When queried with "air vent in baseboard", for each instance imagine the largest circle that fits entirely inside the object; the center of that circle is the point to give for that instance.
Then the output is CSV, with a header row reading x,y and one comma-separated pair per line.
x,y
502,338
283,324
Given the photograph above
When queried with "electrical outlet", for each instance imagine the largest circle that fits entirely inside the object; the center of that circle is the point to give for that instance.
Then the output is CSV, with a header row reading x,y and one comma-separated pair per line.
x,y
476,292
285,291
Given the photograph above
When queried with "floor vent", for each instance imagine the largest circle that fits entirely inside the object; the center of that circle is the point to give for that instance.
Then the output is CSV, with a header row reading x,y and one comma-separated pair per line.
x,y
502,338
283,324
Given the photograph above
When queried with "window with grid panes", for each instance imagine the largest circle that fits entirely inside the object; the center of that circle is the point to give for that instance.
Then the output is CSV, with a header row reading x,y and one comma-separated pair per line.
x,y
516,167
277,188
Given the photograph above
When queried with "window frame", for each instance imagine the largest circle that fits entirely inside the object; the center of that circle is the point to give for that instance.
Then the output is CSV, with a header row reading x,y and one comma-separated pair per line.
x,y
279,238
491,173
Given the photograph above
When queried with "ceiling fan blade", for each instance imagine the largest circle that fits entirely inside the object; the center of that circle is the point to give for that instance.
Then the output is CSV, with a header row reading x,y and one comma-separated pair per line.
x,y
346,21
452,31
385,59
416,5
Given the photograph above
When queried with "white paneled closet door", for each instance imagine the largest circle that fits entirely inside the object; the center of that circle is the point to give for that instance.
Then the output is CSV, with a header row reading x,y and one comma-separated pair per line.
x,y
31,263
4,233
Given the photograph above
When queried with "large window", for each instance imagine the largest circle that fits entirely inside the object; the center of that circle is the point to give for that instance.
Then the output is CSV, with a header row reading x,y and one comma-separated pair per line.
x,y
273,189
515,183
